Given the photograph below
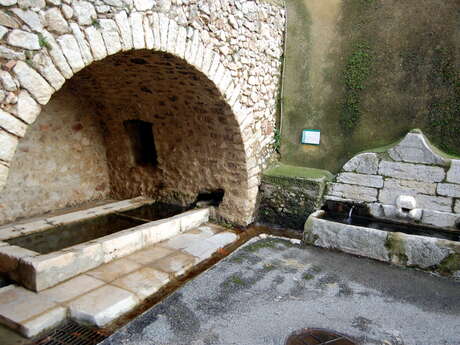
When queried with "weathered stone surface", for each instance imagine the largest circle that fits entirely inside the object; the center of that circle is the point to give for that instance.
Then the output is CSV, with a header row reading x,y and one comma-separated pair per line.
x,y
72,288
143,282
23,39
57,56
31,18
8,2
33,4
114,270
96,43
11,124
440,219
8,145
27,312
33,82
43,64
3,31
149,255
10,54
102,305
110,35
453,175
439,203
121,19
361,179
26,108
350,239
176,263
137,28
10,256
449,189
84,11
8,21
143,5
424,252
364,163
414,148
148,33
3,175
82,43
55,21
71,51
408,185
457,206
411,171
352,192
7,81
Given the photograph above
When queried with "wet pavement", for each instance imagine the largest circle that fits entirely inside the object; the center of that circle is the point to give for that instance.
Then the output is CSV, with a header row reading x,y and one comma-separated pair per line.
x,y
270,287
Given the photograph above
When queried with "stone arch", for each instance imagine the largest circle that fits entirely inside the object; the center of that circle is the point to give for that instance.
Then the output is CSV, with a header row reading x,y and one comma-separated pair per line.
x,y
44,73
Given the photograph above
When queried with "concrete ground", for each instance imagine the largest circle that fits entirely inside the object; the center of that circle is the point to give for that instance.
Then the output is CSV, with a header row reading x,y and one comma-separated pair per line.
x,y
272,287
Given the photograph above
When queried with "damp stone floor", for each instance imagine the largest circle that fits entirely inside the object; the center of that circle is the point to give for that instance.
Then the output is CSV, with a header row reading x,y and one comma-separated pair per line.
x,y
271,287
101,295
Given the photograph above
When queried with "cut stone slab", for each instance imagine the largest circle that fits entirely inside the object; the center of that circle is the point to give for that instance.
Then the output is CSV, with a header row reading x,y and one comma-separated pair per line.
x,y
102,305
440,219
175,264
453,175
144,282
352,192
72,288
114,270
415,148
409,171
149,255
374,181
184,240
364,163
28,312
449,189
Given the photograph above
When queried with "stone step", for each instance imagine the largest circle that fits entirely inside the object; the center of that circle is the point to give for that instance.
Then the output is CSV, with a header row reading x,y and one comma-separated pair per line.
x,y
105,293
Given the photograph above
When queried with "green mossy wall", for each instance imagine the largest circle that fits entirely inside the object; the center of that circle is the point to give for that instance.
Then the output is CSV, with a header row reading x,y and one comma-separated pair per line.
x,y
365,72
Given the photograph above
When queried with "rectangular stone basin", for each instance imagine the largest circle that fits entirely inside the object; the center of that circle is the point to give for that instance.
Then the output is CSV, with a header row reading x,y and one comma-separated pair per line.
x,y
438,255
47,251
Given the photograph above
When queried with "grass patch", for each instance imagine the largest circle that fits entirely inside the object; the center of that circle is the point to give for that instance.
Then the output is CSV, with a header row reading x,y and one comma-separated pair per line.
x,y
307,276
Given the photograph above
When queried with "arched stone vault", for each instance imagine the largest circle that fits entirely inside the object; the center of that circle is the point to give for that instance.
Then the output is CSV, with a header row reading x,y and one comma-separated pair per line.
x,y
153,37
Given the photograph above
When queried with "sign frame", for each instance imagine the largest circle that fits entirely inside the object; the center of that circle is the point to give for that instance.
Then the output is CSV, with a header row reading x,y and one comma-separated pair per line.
x,y
303,139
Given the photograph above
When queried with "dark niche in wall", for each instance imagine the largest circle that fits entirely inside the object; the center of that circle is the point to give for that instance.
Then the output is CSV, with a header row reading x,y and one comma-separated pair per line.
x,y
142,142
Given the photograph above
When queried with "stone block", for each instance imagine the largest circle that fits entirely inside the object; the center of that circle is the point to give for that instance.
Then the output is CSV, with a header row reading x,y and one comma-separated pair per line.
x,y
409,185
96,43
102,305
3,175
148,33
114,270
33,82
193,219
172,37
27,109
110,36
358,193
181,41
457,206
164,25
121,244
424,252
415,148
8,144
137,29
143,5
57,56
7,81
10,256
155,20
440,219
72,288
124,28
449,189
175,264
28,312
43,64
453,175
374,181
364,163
438,203
71,51
55,21
31,18
12,124
84,11
409,171
143,282
348,238
149,255
160,230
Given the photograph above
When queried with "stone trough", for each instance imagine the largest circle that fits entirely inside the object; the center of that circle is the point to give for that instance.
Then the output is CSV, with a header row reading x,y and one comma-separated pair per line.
x,y
32,262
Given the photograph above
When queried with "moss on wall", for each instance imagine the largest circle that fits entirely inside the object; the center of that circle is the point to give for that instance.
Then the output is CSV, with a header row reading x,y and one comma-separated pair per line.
x,y
367,71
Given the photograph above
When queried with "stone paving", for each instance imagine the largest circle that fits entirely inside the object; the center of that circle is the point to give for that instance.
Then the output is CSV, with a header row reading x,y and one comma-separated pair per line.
x,y
101,295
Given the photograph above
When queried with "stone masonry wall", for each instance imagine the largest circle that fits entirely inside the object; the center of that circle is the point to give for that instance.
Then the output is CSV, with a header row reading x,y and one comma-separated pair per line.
x,y
236,44
411,182
60,163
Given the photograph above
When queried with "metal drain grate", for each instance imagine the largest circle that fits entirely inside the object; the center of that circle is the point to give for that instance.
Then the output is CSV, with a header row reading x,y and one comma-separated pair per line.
x,y
318,336
72,334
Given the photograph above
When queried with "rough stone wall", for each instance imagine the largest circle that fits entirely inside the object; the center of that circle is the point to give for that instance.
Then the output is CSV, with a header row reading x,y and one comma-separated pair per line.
x,y
60,163
235,44
411,182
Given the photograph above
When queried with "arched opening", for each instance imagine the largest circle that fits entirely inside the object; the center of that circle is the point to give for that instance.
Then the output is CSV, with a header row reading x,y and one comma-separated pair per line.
x,y
136,123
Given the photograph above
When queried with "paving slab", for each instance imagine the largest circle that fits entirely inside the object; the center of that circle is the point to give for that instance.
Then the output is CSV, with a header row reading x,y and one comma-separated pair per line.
x,y
114,270
102,305
143,282
72,288
149,255
28,312
175,264
270,288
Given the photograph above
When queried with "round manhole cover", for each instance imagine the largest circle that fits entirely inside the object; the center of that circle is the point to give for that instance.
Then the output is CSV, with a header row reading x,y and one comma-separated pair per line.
x,y
318,336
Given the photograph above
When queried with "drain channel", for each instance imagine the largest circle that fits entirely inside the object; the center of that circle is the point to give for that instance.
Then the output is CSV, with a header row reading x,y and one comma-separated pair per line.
x,y
318,336
72,333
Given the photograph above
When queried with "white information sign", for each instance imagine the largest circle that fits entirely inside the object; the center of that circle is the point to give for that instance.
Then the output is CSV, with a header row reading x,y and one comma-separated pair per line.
x,y
311,136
